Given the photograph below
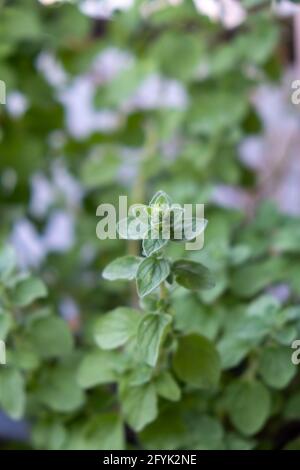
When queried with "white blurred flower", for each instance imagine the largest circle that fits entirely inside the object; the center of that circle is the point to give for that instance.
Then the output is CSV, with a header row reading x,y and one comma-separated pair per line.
x,y
158,92
69,308
110,63
81,116
251,152
230,197
280,292
128,170
77,99
229,12
28,244
173,94
61,187
67,185
48,65
288,192
275,154
42,195
272,106
16,103
175,2
285,8
59,235
211,8
104,8
49,2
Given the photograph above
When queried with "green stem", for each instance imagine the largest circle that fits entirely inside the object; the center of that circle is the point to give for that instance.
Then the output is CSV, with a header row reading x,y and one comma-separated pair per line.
x,y
138,196
250,373
164,293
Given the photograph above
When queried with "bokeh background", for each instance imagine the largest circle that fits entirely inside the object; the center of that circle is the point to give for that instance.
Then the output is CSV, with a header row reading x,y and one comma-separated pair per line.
x,y
112,97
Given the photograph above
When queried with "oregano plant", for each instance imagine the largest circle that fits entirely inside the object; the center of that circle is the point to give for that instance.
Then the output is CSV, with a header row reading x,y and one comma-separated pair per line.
x,y
156,360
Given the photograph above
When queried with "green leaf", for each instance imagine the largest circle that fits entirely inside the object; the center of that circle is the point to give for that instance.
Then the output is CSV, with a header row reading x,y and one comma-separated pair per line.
x,y
27,291
293,445
5,324
49,434
251,278
20,24
276,367
58,389
151,333
99,367
292,408
191,316
122,268
116,328
103,432
206,433
122,87
188,53
23,356
12,392
140,375
100,167
208,115
167,387
50,336
192,275
287,239
236,442
7,262
233,350
197,362
286,335
265,308
151,273
151,246
249,405
167,432
139,405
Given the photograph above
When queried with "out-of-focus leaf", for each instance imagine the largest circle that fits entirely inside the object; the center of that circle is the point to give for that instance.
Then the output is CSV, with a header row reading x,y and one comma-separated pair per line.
x,y
192,275
151,332
139,405
151,273
12,392
122,268
197,362
116,327
27,291
249,406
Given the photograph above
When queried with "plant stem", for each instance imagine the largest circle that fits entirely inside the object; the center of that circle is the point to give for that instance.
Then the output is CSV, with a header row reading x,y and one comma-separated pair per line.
x,y
163,291
138,196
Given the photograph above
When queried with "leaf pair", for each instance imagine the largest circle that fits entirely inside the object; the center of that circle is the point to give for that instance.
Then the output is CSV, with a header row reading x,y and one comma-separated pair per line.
x,y
148,272
152,271
123,324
